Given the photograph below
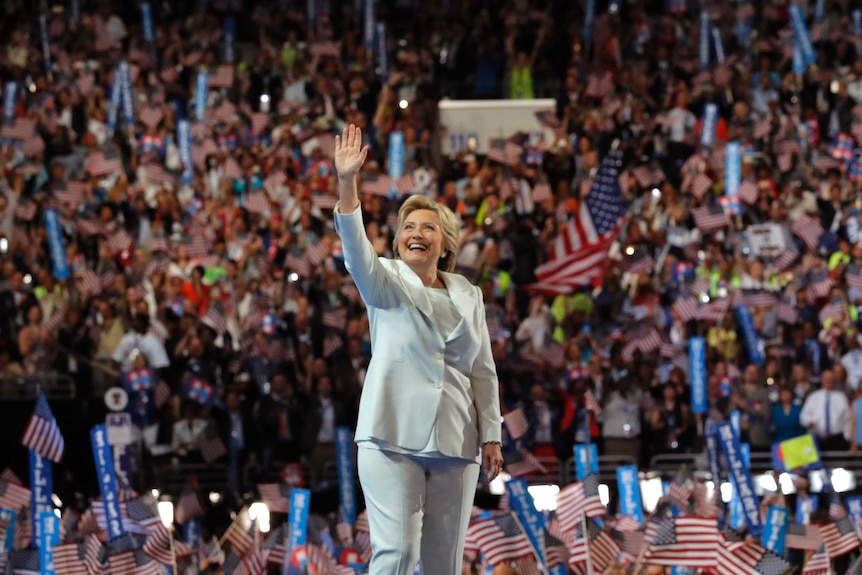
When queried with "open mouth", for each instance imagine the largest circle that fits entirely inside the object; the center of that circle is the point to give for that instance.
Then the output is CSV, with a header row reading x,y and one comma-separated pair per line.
x,y
417,248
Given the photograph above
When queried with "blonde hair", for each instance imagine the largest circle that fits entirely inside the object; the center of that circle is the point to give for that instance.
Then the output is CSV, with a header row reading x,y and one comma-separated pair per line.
x,y
448,223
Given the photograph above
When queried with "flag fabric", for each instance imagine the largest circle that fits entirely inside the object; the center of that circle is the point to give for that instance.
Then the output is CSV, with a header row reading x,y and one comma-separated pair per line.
x,y
276,496
144,512
210,444
839,537
685,308
516,423
42,434
13,496
379,185
710,218
158,546
809,229
67,559
817,564
501,539
596,544
577,499
748,192
578,253
522,462
241,540
685,540
801,536
504,151
741,557
189,506
556,551
23,562
854,276
361,536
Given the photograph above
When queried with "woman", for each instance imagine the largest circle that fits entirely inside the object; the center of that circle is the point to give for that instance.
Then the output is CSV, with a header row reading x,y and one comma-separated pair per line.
x,y
785,416
430,399
35,342
670,422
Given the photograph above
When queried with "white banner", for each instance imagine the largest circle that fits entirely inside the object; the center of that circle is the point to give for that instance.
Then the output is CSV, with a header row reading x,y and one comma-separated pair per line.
x,y
471,124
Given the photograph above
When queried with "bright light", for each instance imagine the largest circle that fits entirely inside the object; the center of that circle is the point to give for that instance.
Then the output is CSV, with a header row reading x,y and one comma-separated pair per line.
x,y
656,193
264,98
166,512
57,514
630,250
651,493
259,512
215,497
292,277
726,492
403,104
155,493
842,481
28,278
4,244
544,496
704,298
56,500
498,485
604,494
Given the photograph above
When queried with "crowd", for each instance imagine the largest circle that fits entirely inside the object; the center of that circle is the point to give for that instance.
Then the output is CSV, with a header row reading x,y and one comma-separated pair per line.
x,y
222,300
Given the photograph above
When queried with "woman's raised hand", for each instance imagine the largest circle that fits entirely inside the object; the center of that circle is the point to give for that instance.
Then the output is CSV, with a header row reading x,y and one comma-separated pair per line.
x,y
349,152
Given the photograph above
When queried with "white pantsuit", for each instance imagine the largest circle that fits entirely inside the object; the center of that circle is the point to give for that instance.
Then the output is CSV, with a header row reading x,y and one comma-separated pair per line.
x,y
429,401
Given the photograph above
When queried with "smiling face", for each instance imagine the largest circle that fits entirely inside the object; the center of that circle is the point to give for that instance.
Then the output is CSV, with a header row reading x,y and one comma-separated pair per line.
x,y
420,241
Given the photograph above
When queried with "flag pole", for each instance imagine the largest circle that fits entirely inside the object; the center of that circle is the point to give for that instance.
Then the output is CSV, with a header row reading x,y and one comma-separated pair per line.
x,y
585,533
536,552
173,551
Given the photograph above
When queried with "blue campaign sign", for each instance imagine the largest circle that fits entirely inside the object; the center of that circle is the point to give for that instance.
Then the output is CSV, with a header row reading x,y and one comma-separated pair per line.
x,y
732,168
184,145
697,359
707,129
854,507
805,504
753,345
346,490
369,24
522,502
630,492
229,28
586,460
57,245
381,53
192,530
775,529
41,488
49,526
202,82
104,458
703,39
741,478
300,500
147,15
800,32
734,422
396,156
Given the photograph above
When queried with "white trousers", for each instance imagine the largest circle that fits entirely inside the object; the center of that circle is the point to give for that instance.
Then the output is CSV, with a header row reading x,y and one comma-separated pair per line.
x,y
418,508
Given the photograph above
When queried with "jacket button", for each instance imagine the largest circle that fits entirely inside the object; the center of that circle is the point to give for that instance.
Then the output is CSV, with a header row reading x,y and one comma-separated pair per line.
x,y
438,355
438,384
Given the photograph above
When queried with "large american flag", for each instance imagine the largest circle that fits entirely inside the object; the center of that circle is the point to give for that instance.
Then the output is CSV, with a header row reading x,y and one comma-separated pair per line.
x,y
736,558
577,254
42,434
276,496
577,499
688,541
710,218
501,539
839,537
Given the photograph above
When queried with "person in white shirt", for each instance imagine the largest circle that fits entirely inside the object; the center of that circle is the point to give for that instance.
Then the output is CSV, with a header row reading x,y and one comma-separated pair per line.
x,y
186,432
826,413
852,360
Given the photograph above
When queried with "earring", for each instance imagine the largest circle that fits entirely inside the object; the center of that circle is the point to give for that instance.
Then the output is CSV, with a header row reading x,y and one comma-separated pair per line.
x,y
443,255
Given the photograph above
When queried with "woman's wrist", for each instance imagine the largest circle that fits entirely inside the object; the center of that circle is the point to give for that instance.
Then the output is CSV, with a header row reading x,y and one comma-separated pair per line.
x,y
492,443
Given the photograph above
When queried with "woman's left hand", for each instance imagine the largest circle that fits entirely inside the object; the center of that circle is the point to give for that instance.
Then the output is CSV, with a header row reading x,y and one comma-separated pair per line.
x,y
492,460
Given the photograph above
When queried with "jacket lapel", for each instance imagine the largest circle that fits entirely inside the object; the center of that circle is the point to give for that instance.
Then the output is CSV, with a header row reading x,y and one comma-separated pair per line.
x,y
459,291
414,288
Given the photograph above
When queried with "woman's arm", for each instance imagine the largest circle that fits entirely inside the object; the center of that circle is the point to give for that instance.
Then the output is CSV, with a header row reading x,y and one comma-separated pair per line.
x,y
483,378
359,256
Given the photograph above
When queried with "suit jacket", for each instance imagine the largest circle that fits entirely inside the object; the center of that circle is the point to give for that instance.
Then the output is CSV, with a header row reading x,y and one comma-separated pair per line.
x,y
314,419
404,383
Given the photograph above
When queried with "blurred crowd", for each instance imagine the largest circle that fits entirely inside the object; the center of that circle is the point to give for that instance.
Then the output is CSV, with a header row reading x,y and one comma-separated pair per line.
x,y
222,301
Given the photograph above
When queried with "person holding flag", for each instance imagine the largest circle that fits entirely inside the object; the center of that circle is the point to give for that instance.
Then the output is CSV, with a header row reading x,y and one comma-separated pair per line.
x,y
430,401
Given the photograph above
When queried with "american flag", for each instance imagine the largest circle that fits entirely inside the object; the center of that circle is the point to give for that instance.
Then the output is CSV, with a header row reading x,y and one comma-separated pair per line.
x,y
232,170
741,557
150,116
361,536
647,177
72,194
833,310
23,562
801,536
241,540
325,49
273,181
210,444
67,559
55,322
826,163
500,539
596,544
259,122
222,77
276,496
854,276
685,540
599,86
578,253
324,202
542,192
504,151
522,462
785,162
686,308
42,434
379,185
143,511
331,344
578,498
405,185
34,146
758,298
839,537
189,505
818,563
643,338
516,423
819,288
639,262
134,562
710,218
548,120
276,543
257,203
786,313
748,192
159,546
700,186
100,164
556,551
786,258
809,230
26,210
679,494
336,319
22,129
762,129
714,310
